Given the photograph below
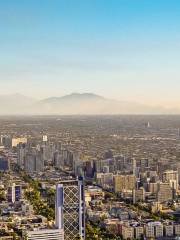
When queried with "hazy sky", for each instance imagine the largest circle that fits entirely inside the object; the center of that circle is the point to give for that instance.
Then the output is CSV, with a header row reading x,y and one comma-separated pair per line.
x,y
122,49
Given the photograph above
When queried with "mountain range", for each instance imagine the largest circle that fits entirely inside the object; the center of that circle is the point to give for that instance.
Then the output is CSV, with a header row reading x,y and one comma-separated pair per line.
x,y
74,104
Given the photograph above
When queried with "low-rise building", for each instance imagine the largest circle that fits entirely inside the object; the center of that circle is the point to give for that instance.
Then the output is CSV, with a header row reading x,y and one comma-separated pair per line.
x,y
45,234
127,232
138,232
168,230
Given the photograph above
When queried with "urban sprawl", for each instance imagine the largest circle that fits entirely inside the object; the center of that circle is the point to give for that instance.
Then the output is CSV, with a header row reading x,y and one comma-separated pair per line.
x,y
90,177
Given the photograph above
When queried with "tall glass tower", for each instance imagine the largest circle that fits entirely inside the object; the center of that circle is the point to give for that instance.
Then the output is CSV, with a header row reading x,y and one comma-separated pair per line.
x,y
70,208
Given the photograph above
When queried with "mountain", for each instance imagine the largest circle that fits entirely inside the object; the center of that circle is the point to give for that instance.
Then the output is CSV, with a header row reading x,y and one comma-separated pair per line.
x,y
75,103
89,103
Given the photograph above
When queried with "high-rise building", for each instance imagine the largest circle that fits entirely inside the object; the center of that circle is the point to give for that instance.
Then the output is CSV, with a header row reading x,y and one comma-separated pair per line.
x,y
4,164
138,195
70,209
172,178
124,182
34,161
14,193
30,162
39,161
58,160
165,192
21,154
134,166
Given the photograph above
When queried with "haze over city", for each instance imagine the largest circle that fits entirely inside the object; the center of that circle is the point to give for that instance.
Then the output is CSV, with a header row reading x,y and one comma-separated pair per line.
x,y
121,49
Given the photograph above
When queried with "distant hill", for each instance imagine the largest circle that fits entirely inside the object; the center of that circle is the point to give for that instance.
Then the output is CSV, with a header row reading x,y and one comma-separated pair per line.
x,y
89,103
75,103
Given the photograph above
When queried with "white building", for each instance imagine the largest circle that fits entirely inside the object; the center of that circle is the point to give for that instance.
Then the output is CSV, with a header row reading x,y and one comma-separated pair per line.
x,y
16,141
169,231
46,234
139,232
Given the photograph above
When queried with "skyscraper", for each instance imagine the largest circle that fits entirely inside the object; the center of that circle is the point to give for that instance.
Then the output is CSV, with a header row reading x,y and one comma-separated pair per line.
x,y
124,182
21,154
70,208
34,161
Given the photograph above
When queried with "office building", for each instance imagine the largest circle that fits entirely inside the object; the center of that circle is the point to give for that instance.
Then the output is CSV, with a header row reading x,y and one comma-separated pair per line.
x,y
21,154
4,164
34,161
70,209
58,160
14,193
39,160
30,162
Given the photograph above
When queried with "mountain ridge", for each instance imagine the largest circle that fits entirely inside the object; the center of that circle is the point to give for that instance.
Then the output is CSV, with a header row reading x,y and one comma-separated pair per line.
x,y
75,104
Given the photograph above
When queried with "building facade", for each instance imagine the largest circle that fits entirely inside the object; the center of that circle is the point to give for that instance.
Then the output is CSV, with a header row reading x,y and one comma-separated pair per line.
x,y
70,209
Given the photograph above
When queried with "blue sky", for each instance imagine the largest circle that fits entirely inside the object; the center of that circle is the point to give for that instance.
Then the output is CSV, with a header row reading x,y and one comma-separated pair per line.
x,y
122,49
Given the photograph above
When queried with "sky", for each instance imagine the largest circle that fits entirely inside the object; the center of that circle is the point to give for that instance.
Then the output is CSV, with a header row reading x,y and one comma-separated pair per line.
x,y
121,49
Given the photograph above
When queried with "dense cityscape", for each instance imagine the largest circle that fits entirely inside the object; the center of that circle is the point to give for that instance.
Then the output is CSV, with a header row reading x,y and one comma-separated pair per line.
x,y
90,177
89,120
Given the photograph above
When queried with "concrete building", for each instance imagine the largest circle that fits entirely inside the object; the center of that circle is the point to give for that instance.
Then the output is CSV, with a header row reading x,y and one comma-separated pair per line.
x,y
138,195
154,229
149,231
124,182
153,187
169,230
158,230
138,232
127,232
165,192
105,180
171,177
177,229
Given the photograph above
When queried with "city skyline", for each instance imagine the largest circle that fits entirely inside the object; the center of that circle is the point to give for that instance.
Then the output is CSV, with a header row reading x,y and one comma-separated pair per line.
x,y
124,50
